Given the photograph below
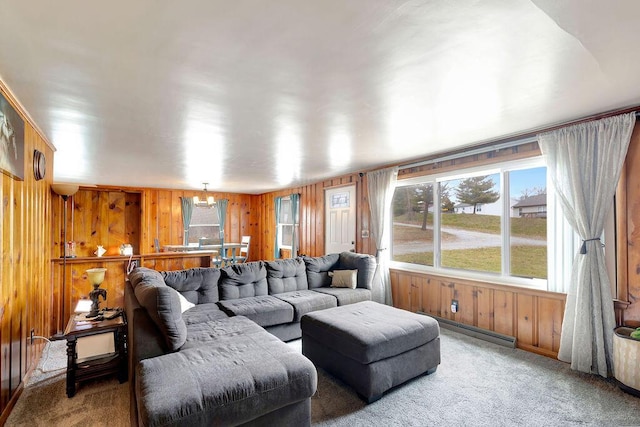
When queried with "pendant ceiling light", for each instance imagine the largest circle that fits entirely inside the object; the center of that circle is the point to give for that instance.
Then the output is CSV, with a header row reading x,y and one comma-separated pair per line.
x,y
206,200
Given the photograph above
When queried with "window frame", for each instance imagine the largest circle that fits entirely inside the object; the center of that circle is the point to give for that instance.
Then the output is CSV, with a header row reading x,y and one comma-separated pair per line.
x,y
502,168
280,226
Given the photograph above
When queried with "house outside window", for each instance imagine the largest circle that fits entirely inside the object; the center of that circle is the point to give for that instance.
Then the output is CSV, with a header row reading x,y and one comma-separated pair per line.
x,y
485,233
204,223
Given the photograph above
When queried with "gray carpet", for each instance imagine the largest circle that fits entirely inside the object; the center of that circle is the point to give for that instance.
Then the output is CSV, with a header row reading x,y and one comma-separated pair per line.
x,y
477,384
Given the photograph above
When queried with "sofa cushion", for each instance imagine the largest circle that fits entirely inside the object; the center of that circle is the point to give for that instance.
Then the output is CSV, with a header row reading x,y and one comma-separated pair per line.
x,y
306,301
364,263
197,285
162,304
243,281
286,275
318,269
346,295
232,380
201,313
265,310
214,330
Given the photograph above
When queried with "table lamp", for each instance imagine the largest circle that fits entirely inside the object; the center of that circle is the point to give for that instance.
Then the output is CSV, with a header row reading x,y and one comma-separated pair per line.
x,y
96,277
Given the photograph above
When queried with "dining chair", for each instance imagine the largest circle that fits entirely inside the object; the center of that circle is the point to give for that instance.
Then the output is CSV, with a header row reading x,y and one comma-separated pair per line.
x,y
244,249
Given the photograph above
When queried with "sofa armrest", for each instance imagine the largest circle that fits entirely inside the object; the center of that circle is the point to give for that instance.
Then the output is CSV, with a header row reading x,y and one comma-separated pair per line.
x,y
365,264
144,340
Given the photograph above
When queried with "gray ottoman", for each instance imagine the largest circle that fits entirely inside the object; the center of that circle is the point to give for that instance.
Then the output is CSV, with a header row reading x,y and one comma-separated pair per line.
x,y
371,347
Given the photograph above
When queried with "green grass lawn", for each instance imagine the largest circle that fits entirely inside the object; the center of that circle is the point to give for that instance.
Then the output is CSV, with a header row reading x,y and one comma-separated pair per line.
x,y
520,227
526,261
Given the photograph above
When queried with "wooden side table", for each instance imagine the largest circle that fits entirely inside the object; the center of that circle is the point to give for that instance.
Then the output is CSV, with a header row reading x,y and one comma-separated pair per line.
x,y
98,365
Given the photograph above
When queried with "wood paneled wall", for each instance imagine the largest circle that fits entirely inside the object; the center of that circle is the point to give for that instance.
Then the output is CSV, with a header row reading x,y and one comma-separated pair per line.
x,y
95,217
111,216
162,218
312,225
25,270
533,317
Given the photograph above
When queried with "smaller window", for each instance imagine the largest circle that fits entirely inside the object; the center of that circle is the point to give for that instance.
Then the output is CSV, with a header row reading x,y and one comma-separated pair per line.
x,y
204,223
285,226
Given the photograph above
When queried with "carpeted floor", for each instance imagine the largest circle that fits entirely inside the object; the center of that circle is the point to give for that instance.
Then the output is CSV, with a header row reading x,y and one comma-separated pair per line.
x,y
477,384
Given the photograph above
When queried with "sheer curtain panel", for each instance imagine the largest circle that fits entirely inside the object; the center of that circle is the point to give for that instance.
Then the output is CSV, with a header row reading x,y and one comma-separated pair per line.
x,y
380,185
584,163
186,204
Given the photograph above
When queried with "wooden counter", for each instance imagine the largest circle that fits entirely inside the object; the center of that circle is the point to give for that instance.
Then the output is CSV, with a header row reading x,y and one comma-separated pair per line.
x,y
77,285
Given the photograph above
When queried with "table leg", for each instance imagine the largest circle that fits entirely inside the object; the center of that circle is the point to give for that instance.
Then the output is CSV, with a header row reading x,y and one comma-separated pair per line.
x,y
71,372
123,372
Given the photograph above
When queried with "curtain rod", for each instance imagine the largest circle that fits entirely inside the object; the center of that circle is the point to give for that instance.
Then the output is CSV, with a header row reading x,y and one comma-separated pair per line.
x,y
503,145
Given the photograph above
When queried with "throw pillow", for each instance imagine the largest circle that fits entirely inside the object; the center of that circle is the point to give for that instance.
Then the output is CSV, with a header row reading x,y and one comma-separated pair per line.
x,y
185,304
344,278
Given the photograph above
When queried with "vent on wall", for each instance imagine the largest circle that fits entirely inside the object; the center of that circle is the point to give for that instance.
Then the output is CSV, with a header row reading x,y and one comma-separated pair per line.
x,y
483,334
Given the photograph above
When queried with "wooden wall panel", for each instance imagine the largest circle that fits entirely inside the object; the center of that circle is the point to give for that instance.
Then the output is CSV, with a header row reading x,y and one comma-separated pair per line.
x,y
534,317
485,309
526,320
503,312
467,306
549,321
25,272
430,297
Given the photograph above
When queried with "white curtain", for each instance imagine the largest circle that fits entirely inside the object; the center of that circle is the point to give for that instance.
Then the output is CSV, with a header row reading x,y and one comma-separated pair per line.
x,y
380,185
584,163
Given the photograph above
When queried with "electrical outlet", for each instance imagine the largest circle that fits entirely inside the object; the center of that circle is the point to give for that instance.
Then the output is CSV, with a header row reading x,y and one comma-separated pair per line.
x,y
454,306
31,334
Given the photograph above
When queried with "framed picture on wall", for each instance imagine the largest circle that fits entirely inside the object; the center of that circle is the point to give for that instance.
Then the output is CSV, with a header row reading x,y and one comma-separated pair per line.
x,y
11,140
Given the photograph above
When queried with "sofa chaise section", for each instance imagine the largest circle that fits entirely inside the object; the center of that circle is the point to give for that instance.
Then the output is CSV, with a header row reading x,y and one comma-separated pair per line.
x,y
244,375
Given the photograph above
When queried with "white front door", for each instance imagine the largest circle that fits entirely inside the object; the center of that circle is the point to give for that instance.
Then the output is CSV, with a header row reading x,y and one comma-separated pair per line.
x,y
340,219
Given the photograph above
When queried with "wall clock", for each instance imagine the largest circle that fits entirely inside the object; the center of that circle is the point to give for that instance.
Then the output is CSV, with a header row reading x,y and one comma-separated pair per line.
x,y
39,165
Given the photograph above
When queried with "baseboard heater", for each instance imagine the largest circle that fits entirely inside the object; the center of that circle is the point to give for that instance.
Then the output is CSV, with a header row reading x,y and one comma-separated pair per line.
x,y
473,331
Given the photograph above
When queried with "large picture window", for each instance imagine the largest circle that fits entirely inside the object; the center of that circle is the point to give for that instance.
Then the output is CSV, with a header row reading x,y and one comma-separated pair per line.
x,y
481,221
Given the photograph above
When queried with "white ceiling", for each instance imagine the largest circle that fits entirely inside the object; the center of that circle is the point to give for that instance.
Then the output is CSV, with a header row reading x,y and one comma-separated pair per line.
x,y
256,95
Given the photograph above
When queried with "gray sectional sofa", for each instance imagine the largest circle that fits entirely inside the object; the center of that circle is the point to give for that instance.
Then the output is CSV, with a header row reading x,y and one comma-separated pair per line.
x,y
205,345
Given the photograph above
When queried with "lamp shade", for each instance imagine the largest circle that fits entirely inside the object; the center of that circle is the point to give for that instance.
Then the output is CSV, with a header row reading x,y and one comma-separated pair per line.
x,y
96,275
65,189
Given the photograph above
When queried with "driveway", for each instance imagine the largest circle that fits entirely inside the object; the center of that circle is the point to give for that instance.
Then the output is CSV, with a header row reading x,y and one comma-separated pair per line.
x,y
462,239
